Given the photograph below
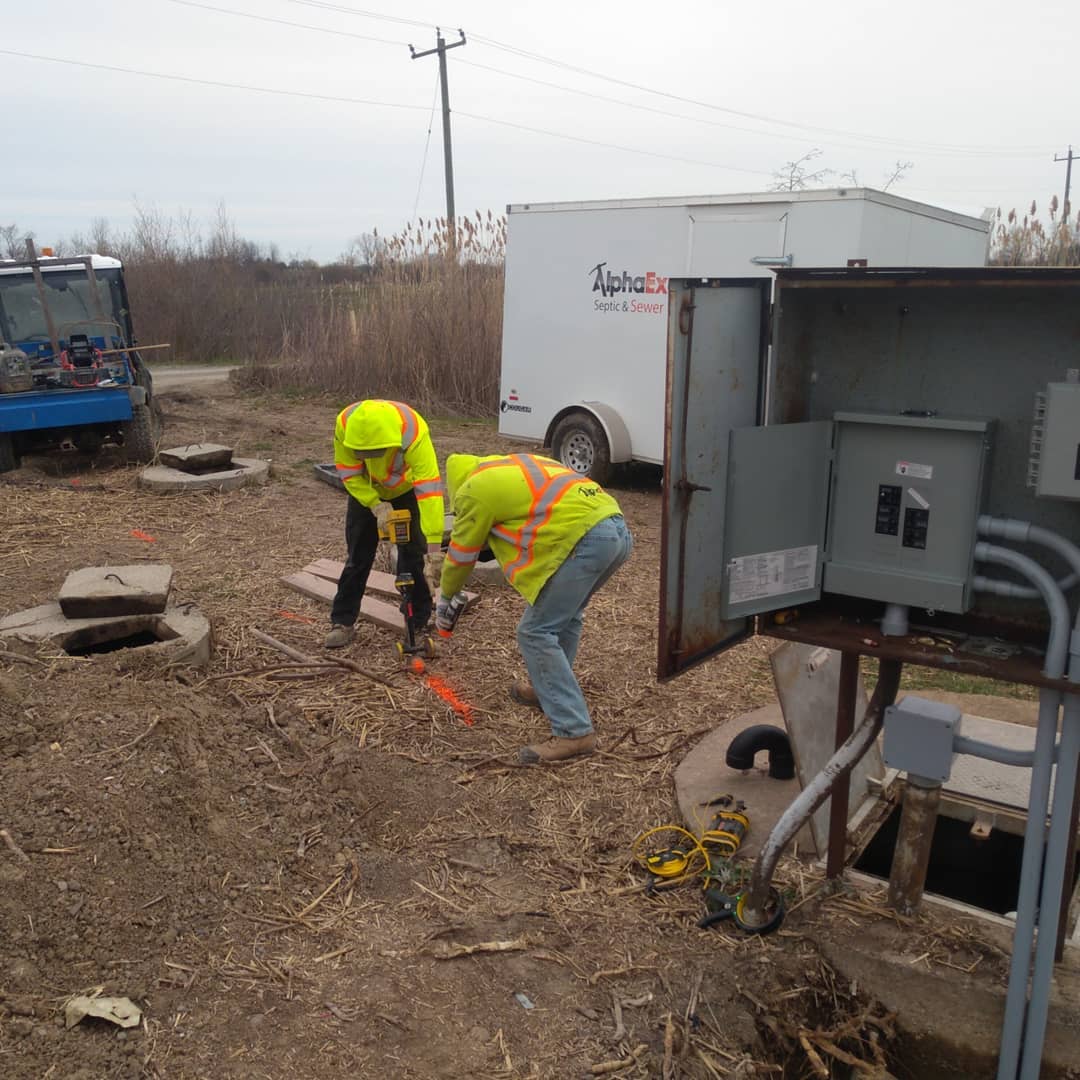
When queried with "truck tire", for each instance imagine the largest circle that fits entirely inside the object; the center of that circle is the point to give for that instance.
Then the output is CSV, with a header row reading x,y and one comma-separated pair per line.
x,y
141,433
8,458
580,444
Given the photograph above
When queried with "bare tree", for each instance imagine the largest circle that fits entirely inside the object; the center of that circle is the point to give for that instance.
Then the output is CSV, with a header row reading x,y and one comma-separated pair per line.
x,y
797,175
899,171
13,241
363,250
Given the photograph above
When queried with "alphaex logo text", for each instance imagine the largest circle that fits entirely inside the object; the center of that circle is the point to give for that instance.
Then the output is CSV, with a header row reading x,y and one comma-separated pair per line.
x,y
615,285
608,284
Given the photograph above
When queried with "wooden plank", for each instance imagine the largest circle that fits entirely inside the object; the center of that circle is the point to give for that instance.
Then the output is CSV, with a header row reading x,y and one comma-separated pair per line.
x,y
376,611
378,581
330,570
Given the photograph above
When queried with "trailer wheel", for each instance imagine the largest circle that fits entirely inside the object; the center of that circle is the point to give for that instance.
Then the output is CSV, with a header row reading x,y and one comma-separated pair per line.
x,y
580,444
141,433
9,459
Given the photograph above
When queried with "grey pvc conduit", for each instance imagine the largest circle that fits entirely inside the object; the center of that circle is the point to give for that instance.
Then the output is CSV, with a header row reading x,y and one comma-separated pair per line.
x,y
754,911
1003,755
1039,796
1033,1032
1025,533
1057,849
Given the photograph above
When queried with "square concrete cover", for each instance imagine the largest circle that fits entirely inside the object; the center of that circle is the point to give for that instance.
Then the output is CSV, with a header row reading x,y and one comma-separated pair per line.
x,y
197,456
105,591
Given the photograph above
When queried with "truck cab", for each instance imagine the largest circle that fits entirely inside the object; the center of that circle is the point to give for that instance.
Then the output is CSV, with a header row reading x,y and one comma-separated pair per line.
x,y
70,372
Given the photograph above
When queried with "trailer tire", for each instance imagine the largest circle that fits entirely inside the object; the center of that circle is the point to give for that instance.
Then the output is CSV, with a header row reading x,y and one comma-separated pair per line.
x,y
579,443
9,459
141,433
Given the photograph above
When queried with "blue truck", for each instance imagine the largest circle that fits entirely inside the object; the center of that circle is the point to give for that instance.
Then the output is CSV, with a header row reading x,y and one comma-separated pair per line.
x,y
70,372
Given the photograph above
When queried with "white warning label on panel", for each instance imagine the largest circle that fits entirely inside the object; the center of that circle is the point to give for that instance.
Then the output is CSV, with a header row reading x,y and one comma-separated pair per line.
x,y
911,468
754,577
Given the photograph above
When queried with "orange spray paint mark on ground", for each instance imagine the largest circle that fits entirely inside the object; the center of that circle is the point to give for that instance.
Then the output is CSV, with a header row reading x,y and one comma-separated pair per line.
x,y
140,535
446,692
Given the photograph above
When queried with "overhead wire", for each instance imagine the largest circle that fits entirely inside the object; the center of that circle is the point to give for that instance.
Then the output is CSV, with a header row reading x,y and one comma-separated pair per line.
x,y
877,141
906,144
541,58
427,143
287,22
366,101
211,82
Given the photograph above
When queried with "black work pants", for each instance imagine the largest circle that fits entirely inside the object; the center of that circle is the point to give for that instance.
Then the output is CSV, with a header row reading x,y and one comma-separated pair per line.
x,y
362,540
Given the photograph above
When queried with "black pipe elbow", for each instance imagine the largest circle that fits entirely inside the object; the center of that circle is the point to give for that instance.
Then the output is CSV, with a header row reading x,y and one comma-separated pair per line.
x,y
740,754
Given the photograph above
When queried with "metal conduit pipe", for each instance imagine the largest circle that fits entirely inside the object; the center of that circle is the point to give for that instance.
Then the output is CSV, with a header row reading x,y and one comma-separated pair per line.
x,y
1024,532
754,910
1033,1025
1038,798
1003,755
1057,851
1040,577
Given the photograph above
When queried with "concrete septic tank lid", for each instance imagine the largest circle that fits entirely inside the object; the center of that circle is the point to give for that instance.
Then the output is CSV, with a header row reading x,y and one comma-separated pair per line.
x,y
100,591
178,635
242,472
197,456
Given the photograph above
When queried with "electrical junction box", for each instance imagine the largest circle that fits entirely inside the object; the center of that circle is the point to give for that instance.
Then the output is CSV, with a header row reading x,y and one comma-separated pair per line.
x,y
919,737
1057,464
905,497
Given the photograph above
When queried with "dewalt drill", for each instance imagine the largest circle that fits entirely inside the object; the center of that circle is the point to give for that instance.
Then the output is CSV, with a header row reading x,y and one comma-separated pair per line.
x,y
397,531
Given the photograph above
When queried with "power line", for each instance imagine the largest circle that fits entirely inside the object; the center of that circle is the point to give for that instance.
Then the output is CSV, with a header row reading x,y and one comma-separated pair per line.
x,y
381,104
882,142
285,22
427,143
340,8
611,146
211,82
710,123
540,58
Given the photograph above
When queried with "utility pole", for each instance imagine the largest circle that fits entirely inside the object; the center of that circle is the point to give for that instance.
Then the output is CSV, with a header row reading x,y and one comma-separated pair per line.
x,y
448,154
1068,159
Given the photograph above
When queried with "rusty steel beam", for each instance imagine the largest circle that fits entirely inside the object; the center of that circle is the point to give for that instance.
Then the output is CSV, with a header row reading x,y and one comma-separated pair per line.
x,y
841,789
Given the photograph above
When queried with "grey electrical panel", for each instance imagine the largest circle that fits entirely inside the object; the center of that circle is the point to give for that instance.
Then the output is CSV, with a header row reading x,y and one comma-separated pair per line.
x,y
906,494
1056,442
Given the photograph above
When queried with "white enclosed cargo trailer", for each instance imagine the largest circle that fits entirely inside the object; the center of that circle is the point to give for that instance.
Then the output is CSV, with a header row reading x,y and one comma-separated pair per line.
x,y
585,307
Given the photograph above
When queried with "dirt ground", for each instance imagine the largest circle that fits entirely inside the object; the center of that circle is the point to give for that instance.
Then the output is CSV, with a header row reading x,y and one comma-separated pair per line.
x,y
278,870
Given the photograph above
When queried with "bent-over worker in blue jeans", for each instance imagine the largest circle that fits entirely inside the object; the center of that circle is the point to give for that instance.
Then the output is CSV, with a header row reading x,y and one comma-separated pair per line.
x,y
558,537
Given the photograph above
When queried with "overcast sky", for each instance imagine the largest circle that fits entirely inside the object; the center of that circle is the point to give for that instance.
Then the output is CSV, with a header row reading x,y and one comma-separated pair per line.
x,y
979,95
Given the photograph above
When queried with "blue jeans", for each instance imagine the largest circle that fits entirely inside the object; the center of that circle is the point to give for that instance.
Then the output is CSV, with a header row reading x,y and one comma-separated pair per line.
x,y
550,629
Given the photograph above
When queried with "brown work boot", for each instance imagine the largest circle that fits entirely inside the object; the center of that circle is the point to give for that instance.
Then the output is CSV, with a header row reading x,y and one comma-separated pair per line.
x,y
339,636
524,694
557,749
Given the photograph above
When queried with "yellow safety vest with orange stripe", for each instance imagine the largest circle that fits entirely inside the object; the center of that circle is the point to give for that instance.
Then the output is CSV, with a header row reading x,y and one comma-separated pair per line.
x,y
529,510
408,462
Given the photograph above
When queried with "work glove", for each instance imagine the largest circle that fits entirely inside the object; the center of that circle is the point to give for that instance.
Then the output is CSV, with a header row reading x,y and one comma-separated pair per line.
x,y
433,569
443,621
381,512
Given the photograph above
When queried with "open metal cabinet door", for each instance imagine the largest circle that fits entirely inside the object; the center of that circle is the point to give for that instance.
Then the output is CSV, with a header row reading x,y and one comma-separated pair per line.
x,y
717,342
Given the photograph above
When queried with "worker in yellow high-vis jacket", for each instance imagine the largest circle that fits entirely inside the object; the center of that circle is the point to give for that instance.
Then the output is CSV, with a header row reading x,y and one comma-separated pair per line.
x,y
383,453
558,537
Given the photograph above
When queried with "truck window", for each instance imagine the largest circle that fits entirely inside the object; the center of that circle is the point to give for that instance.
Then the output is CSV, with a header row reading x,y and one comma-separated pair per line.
x,y
71,304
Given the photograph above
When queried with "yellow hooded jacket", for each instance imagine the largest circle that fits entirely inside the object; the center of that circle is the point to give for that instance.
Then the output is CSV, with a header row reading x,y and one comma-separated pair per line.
x,y
408,463
529,510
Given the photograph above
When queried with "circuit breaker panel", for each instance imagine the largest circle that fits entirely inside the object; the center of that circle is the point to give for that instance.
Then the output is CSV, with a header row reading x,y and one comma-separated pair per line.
x,y
906,494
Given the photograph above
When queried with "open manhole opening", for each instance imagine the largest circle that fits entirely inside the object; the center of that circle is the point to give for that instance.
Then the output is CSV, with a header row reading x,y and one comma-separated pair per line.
x,y
134,633
984,873
209,470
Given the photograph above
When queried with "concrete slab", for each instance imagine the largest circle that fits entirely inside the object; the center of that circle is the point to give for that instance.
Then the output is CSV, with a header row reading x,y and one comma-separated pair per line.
x,y
197,456
244,471
183,633
703,775
102,591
